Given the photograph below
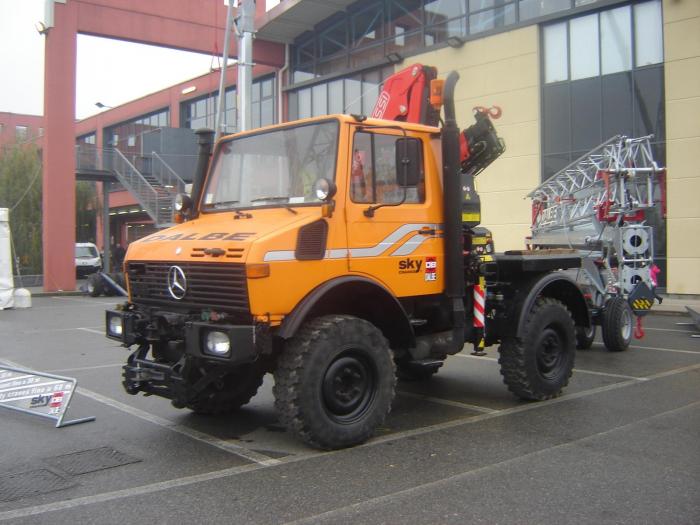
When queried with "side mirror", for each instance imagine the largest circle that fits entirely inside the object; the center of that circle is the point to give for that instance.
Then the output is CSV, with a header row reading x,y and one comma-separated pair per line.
x,y
183,203
408,162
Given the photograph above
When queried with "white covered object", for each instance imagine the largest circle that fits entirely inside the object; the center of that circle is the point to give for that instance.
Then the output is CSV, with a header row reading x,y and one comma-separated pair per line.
x,y
6,283
23,298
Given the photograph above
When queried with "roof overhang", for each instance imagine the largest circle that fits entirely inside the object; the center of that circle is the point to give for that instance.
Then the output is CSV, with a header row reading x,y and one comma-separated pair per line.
x,y
290,18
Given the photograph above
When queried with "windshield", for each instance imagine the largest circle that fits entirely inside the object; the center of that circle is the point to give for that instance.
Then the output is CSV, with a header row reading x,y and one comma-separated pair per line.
x,y
85,251
277,168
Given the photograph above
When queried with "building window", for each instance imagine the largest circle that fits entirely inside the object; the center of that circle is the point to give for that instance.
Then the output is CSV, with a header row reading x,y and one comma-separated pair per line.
x,y
604,76
367,31
91,138
355,94
21,132
126,136
201,112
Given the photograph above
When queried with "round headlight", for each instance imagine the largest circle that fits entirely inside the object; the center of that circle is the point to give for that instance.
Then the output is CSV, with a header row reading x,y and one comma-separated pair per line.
x,y
115,325
218,343
324,189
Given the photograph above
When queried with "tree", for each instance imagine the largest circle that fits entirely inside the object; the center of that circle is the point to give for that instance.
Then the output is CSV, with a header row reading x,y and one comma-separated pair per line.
x,y
20,191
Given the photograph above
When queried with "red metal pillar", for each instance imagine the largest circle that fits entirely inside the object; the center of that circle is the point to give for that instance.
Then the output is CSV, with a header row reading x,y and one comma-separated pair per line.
x,y
59,151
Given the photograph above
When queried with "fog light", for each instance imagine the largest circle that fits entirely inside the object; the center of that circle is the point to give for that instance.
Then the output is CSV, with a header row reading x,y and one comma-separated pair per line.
x,y
218,344
115,326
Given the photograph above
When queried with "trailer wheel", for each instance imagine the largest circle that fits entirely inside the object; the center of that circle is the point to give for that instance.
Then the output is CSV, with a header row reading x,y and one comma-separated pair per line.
x,y
95,286
335,381
585,337
233,391
538,364
618,324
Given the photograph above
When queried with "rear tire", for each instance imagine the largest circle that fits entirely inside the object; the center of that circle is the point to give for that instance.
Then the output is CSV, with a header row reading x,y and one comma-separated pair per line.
x,y
95,286
234,390
335,382
538,364
585,337
618,324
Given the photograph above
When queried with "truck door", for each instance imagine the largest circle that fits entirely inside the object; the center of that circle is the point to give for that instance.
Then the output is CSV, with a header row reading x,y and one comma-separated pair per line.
x,y
394,231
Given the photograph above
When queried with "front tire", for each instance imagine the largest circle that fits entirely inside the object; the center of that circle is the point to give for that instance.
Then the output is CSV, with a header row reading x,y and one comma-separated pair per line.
x,y
618,324
538,364
230,393
335,382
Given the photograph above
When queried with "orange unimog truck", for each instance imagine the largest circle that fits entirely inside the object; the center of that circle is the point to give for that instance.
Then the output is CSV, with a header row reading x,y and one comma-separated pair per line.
x,y
336,253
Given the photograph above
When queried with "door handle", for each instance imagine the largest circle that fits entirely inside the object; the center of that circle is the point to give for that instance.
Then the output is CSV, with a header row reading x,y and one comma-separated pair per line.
x,y
426,231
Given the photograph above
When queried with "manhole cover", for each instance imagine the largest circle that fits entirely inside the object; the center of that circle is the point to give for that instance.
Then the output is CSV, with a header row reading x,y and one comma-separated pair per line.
x,y
32,483
91,460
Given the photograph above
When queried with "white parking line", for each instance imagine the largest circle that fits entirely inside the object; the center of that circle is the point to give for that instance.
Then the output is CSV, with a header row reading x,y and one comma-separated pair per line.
x,y
667,330
92,331
448,402
525,407
77,369
658,349
609,374
57,330
81,299
349,512
227,445
191,480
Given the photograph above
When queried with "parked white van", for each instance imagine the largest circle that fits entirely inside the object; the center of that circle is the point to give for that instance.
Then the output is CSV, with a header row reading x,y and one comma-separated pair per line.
x,y
87,259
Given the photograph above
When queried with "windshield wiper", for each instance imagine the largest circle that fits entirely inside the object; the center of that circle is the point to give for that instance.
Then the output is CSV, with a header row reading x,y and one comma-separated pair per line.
x,y
222,204
279,198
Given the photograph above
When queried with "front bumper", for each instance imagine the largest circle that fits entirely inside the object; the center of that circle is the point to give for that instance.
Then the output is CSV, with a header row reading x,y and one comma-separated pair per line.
x,y
172,378
130,328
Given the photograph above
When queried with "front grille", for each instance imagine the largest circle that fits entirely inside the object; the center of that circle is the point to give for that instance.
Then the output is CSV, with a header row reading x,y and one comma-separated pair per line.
x,y
209,285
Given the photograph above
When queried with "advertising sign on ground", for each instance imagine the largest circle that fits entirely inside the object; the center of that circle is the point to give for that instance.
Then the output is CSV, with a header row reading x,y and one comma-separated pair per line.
x,y
37,393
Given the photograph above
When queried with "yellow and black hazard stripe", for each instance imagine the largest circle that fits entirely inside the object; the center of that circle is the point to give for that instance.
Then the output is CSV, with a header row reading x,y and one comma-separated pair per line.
x,y
642,304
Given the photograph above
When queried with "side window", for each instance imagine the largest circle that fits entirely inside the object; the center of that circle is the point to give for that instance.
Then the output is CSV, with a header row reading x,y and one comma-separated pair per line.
x,y
373,172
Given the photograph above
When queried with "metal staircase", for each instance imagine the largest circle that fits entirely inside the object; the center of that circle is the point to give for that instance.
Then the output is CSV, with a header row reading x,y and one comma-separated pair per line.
x,y
154,189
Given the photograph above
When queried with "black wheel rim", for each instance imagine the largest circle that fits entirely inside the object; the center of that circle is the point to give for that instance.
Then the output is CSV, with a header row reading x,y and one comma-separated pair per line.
x,y
349,385
551,354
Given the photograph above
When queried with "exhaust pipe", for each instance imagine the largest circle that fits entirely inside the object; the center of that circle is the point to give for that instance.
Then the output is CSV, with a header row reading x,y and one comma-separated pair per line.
x,y
455,286
205,139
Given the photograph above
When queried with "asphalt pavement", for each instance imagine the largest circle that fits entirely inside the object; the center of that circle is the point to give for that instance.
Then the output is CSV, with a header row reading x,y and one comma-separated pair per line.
x,y
621,446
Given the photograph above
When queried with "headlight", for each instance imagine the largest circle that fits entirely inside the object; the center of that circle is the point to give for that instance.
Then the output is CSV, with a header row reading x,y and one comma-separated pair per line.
x,y
324,189
218,344
116,326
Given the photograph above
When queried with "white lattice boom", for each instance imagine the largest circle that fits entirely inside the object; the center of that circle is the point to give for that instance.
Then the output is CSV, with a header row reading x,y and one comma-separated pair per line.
x,y
616,178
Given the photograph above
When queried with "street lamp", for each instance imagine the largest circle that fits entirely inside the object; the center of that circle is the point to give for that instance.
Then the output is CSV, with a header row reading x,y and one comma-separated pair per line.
x,y
103,106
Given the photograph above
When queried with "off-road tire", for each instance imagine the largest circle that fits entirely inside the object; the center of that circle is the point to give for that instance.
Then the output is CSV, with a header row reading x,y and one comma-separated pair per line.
x,y
233,391
335,382
585,337
95,286
618,324
538,364
409,372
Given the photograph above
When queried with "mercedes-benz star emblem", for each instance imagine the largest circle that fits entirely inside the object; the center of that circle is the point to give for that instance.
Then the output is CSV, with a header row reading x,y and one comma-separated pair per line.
x,y
177,282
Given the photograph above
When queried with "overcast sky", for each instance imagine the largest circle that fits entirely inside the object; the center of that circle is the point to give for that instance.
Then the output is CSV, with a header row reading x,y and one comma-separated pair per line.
x,y
109,71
